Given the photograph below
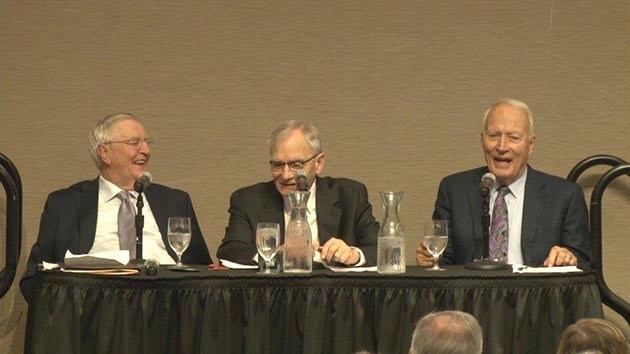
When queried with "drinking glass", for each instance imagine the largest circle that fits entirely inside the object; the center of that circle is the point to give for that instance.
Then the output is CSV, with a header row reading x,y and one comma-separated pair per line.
x,y
179,236
267,239
435,239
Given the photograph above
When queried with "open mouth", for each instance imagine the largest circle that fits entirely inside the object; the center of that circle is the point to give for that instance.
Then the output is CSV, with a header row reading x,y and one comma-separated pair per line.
x,y
502,160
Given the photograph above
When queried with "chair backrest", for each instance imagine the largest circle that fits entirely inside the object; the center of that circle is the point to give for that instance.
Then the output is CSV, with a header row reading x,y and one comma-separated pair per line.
x,y
10,179
608,296
619,167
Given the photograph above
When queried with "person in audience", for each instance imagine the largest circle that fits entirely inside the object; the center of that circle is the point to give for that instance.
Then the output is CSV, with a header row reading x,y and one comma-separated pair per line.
x,y
447,332
592,335
542,220
339,212
83,218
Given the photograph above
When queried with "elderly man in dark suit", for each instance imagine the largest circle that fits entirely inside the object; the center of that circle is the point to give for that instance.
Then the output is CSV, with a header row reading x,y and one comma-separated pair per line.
x,y
546,219
84,217
339,213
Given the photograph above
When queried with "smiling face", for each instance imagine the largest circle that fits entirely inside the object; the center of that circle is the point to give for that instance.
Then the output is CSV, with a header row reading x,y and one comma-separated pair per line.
x,y
123,163
506,143
294,147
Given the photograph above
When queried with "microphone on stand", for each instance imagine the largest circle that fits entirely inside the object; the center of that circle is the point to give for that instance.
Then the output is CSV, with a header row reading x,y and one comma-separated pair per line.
x,y
141,184
486,182
301,180
485,263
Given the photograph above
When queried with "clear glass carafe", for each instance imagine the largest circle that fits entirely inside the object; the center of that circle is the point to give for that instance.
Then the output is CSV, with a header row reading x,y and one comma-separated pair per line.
x,y
298,253
391,238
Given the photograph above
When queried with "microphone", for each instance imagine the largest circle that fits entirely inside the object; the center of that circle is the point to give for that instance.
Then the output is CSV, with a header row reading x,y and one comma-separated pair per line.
x,y
151,266
486,182
300,178
143,182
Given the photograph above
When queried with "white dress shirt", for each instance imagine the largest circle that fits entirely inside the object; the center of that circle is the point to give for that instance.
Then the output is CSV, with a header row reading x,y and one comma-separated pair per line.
x,y
106,237
514,202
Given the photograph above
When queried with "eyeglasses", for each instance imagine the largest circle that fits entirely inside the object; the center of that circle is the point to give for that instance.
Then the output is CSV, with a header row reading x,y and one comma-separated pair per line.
x,y
293,165
135,142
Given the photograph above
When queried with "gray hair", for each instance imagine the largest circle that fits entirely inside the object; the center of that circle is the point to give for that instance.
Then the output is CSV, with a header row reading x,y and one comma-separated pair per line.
x,y
520,105
310,132
452,332
103,132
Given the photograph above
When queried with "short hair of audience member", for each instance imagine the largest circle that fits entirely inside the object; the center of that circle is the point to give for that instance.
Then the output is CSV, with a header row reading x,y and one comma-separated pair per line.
x,y
447,332
589,334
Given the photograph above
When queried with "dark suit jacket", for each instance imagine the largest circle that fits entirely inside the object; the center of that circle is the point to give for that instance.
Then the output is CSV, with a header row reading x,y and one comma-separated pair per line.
x,y
554,213
69,223
343,211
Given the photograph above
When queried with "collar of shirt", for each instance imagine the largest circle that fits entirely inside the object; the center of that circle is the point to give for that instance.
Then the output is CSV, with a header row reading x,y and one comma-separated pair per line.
x,y
517,188
109,190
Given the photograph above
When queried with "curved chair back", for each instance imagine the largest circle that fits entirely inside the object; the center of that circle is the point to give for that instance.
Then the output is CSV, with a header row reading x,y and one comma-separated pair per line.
x,y
591,161
10,179
608,296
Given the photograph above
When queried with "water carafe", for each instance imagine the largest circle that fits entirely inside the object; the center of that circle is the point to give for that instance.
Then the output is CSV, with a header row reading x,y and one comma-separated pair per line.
x,y
298,253
391,240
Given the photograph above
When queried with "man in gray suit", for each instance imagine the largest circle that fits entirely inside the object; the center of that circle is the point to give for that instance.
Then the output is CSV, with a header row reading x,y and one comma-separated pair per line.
x,y
547,215
84,217
339,213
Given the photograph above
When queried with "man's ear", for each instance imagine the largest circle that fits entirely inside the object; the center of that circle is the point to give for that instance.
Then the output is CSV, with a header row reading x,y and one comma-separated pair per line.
x,y
103,152
319,163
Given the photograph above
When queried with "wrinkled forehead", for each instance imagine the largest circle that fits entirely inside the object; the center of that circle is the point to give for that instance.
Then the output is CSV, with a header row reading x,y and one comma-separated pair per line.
x,y
128,128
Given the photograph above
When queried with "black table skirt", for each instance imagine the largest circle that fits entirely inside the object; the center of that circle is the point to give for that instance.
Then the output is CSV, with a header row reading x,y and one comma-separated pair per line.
x,y
239,311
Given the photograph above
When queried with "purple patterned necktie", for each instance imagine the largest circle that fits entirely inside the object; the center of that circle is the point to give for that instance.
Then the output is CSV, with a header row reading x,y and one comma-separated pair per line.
x,y
499,229
127,224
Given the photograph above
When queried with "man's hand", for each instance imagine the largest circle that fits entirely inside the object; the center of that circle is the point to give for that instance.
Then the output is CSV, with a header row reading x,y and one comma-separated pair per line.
x,y
335,250
423,256
560,256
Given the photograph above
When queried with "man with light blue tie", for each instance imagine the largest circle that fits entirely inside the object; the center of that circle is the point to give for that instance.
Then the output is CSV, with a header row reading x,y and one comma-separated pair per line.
x,y
537,219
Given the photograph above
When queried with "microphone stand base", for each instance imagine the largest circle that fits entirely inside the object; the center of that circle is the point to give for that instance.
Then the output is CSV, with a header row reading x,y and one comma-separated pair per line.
x,y
486,264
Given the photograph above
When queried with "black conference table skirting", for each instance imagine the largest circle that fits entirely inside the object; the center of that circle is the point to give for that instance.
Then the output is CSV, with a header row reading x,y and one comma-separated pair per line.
x,y
239,311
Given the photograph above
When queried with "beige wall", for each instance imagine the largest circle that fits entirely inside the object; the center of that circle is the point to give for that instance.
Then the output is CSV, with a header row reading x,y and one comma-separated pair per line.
x,y
396,87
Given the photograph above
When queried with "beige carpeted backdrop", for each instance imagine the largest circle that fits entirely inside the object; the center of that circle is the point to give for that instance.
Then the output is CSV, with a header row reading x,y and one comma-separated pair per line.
x,y
397,89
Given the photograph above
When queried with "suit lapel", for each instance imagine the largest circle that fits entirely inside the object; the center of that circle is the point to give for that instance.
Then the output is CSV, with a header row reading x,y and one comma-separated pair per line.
x,y
533,205
160,209
87,209
272,208
328,214
475,207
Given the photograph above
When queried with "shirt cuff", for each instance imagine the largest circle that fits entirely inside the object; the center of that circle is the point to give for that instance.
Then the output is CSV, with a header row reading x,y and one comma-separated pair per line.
x,y
362,261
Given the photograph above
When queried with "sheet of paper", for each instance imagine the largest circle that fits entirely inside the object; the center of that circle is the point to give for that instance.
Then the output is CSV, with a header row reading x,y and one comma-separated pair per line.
x,y
519,268
351,269
233,265
112,258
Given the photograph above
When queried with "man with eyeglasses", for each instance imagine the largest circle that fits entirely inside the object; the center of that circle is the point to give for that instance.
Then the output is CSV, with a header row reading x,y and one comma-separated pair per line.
x,y
84,218
339,213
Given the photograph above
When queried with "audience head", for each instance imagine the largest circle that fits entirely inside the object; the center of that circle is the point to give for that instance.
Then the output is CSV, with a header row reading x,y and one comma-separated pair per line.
x,y
447,332
593,335
293,146
120,149
508,139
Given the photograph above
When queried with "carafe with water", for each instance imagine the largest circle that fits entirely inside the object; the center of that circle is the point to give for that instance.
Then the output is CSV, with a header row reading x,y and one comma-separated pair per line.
x,y
298,253
391,240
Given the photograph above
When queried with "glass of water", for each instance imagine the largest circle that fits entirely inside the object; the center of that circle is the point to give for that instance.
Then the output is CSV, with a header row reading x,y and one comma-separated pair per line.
x,y
435,240
267,240
179,236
